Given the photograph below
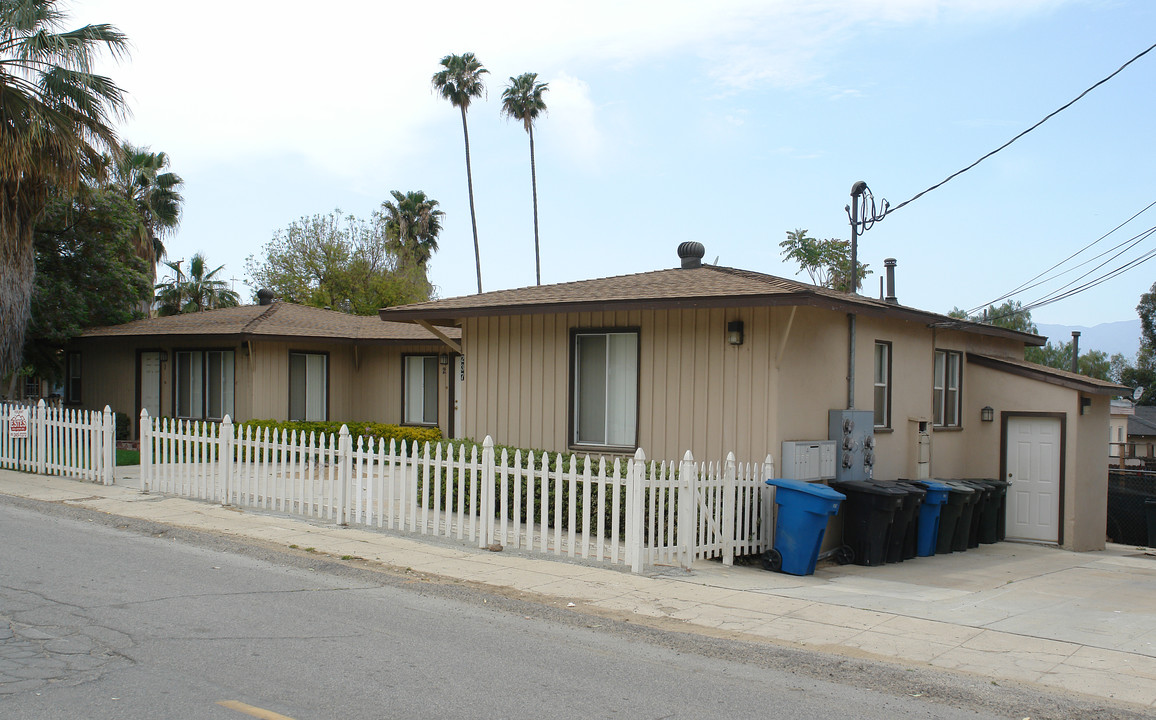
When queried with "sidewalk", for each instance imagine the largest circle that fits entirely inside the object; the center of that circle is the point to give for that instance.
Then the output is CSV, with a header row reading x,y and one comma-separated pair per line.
x,y
1081,622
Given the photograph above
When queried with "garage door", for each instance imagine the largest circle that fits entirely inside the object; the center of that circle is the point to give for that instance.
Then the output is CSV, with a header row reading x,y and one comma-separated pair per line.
x,y
1033,468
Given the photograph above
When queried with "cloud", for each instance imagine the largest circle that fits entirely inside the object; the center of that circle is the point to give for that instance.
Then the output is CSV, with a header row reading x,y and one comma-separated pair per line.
x,y
573,115
348,88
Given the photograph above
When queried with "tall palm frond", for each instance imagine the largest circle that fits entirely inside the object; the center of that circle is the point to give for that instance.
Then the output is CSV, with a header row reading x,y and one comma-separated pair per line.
x,y
523,101
139,175
460,81
412,226
56,121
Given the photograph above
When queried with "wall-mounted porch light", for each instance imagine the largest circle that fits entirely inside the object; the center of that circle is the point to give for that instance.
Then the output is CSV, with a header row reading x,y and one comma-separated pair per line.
x,y
987,414
444,359
735,332
163,356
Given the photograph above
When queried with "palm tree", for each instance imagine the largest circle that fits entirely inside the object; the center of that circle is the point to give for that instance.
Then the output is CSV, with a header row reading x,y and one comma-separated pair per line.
x,y
138,174
522,100
56,117
460,82
412,225
197,291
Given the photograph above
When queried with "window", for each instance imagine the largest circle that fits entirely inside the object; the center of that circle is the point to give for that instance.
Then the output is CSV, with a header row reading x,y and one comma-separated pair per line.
x,y
203,384
72,379
421,390
882,384
945,395
308,386
605,393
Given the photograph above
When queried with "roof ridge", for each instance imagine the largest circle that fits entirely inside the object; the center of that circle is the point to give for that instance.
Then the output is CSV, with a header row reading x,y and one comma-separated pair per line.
x,y
252,324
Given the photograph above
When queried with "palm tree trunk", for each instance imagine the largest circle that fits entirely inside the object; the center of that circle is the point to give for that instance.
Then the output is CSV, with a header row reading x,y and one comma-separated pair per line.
x,y
473,217
534,185
17,269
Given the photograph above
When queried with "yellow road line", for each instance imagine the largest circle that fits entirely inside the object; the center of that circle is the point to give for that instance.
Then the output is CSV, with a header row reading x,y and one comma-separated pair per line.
x,y
254,711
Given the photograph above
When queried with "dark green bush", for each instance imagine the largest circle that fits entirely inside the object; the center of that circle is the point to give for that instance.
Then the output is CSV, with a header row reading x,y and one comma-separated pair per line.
x,y
123,427
371,431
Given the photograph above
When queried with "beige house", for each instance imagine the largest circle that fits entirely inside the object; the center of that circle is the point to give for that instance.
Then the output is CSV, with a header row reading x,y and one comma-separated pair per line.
x,y
714,360
278,361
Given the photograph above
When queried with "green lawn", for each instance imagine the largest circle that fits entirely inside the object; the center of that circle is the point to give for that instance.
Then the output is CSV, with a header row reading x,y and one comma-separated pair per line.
x,y
127,457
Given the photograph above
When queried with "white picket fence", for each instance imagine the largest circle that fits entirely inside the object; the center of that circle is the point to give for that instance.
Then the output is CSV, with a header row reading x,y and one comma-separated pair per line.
x,y
60,441
626,511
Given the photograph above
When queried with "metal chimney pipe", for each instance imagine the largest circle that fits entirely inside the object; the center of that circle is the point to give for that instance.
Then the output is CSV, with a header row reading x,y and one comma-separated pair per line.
x,y
1075,351
889,263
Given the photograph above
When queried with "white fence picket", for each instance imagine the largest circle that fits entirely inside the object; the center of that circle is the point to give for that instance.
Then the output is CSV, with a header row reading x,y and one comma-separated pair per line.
x,y
620,511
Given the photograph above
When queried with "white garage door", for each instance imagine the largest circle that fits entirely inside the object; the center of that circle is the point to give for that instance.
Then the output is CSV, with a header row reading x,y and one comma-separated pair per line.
x,y
1033,468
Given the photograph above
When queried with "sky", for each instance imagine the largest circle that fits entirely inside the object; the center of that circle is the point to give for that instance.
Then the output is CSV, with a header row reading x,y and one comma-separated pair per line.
x,y
729,123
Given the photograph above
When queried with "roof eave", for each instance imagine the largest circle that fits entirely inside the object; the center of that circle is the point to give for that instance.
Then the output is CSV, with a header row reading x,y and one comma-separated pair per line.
x,y
453,316
1043,376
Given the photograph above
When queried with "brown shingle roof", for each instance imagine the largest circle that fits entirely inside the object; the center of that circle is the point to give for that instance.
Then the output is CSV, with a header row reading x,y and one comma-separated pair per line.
x,y
281,320
1051,375
705,286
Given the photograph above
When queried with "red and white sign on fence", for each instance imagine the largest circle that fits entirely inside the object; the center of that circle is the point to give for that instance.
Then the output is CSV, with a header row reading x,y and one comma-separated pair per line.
x,y
18,424
58,441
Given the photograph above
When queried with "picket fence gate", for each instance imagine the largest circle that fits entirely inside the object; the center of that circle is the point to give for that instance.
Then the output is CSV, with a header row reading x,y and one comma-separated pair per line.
x,y
60,441
622,511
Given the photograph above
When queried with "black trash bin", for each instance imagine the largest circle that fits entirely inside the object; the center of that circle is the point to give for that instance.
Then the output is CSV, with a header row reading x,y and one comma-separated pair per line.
x,y
982,505
901,544
951,517
869,512
962,533
993,524
1150,512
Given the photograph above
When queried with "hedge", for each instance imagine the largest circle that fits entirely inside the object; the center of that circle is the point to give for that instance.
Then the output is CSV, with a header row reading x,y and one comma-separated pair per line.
x,y
371,431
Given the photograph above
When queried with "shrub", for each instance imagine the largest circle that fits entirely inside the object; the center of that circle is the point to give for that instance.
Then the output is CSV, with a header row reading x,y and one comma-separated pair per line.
x,y
123,427
371,431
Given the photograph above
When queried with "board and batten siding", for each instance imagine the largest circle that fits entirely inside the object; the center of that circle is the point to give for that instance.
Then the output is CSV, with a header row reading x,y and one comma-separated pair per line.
x,y
696,391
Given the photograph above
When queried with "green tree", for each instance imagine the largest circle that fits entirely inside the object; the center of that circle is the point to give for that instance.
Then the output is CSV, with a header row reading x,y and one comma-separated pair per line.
x,y
197,290
1092,363
827,262
335,261
1010,315
140,175
56,117
1142,373
522,100
88,274
412,226
460,81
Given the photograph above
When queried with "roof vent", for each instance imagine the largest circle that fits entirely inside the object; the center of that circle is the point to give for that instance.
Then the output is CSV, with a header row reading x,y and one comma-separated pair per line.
x,y
889,263
264,296
691,254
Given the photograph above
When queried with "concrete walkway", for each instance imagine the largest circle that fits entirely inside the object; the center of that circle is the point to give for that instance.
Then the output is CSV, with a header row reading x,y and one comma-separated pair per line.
x,y
1081,622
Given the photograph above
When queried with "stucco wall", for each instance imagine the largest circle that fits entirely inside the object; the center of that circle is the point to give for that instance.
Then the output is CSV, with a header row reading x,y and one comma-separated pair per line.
x,y
1085,454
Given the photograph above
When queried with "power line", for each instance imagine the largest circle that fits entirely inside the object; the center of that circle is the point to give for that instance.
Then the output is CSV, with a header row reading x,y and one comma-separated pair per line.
x,y
1029,284
1064,292
1025,132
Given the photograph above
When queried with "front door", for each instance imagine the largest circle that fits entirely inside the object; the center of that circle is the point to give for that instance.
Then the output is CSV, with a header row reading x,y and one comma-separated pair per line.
x,y
1033,468
459,370
149,389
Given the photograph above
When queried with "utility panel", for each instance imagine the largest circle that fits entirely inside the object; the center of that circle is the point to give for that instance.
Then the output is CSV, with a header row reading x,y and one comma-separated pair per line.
x,y
809,460
854,431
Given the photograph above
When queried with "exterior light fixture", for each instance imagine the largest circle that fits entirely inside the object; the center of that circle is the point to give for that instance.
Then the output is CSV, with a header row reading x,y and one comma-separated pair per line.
x,y
735,332
987,414
444,359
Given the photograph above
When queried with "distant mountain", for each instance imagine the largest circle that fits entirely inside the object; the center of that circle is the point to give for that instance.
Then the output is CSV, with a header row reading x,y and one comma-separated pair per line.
x,y
1114,337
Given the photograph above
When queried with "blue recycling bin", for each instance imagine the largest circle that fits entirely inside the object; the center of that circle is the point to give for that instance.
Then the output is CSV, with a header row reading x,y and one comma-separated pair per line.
x,y
937,494
804,509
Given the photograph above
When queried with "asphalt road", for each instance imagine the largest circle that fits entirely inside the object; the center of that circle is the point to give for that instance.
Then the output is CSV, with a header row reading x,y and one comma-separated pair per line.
x,y
104,617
